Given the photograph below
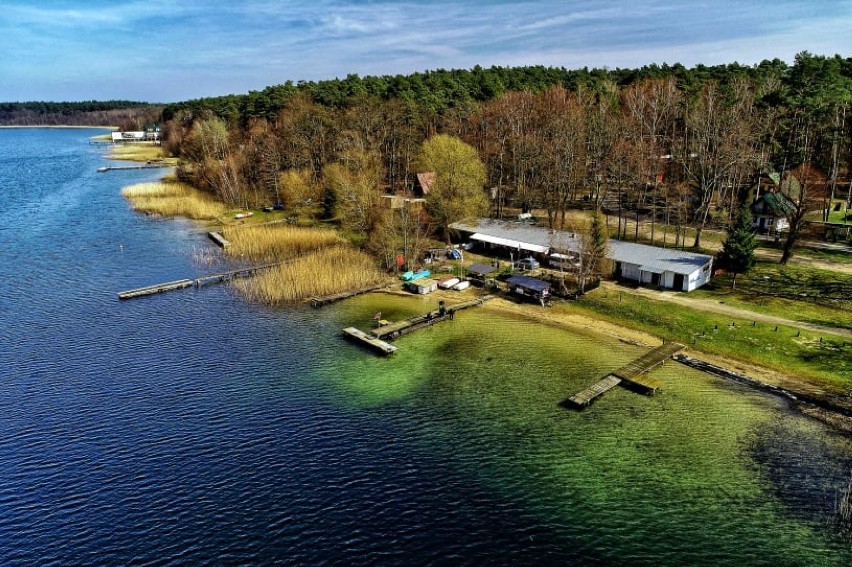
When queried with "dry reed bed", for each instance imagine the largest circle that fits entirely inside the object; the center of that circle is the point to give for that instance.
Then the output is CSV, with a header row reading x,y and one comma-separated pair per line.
x,y
322,272
173,199
277,242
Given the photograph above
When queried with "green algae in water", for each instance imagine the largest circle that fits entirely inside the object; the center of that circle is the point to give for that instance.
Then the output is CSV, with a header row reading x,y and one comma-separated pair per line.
x,y
673,478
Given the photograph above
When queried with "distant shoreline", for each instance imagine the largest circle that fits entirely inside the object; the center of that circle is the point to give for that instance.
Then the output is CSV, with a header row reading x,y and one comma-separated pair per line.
x,y
59,126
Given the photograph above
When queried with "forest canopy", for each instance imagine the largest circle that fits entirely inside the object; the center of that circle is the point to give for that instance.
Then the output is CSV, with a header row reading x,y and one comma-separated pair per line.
x,y
685,147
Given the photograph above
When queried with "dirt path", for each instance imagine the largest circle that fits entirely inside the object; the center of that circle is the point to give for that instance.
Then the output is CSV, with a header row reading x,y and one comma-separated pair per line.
x,y
711,306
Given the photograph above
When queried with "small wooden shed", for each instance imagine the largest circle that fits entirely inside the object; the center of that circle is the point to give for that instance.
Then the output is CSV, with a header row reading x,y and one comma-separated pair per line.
x,y
479,273
422,285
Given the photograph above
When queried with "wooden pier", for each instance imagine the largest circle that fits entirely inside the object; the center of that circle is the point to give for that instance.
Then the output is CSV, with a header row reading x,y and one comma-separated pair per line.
x,y
106,168
375,338
631,376
197,282
406,326
326,299
585,397
218,239
634,373
370,341
154,289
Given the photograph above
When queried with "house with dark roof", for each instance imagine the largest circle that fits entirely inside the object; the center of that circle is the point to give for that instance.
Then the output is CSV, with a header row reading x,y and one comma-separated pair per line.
x,y
771,212
664,267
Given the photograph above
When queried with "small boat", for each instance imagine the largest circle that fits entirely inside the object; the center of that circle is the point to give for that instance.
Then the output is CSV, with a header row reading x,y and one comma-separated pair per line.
x,y
243,215
462,285
103,168
411,276
448,283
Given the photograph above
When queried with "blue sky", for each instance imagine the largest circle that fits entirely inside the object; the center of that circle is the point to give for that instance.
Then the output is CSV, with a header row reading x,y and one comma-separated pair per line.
x,y
164,51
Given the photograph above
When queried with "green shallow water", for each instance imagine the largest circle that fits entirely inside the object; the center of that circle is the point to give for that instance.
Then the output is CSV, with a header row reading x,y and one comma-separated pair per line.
x,y
704,472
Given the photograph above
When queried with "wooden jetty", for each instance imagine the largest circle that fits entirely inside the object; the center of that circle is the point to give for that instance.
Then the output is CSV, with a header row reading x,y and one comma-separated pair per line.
x,y
154,289
197,282
105,168
585,397
406,326
631,376
634,373
326,299
218,239
370,341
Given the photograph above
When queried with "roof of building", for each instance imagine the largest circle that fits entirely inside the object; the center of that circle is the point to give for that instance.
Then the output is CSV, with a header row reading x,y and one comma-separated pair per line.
x,y
543,240
776,204
655,259
480,269
528,283
424,282
520,235
426,180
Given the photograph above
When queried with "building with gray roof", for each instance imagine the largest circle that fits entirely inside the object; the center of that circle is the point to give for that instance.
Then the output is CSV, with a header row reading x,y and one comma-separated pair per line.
x,y
665,267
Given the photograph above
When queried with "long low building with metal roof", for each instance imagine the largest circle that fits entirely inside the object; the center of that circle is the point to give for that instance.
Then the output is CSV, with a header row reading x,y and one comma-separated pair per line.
x,y
665,267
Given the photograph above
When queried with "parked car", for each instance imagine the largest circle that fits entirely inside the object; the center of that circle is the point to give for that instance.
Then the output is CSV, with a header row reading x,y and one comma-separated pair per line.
x,y
528,263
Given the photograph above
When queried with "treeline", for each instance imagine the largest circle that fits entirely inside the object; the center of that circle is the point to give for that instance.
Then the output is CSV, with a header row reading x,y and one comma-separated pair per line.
x,y
125,114
661,143
436,91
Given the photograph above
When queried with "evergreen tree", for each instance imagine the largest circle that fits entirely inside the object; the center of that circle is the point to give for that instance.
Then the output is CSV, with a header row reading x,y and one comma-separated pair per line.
x,y
594,251
737,254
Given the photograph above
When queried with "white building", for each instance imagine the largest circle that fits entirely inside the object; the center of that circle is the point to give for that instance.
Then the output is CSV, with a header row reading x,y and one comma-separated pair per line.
x,y
135,136
663,267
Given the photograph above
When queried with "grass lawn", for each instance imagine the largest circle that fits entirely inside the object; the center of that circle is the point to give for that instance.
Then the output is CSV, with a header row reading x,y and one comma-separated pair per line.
x,y
825,361
793,292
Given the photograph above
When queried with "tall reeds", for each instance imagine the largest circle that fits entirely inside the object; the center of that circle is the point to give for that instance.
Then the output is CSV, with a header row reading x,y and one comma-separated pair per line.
x,y
173,199
137,152
322,272
277,242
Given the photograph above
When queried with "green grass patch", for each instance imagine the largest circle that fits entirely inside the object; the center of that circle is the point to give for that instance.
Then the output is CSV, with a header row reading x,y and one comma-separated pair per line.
x,y
795,292
826,361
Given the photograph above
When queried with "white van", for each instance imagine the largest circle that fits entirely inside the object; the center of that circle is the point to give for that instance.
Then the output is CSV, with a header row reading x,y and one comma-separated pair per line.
x,y
564,261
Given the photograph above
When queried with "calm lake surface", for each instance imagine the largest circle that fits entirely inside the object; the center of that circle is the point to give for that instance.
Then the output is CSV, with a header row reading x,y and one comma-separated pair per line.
x,y
195,428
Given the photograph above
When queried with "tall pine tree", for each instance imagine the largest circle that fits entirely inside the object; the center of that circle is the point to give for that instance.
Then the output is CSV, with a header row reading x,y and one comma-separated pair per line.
x,y
737,254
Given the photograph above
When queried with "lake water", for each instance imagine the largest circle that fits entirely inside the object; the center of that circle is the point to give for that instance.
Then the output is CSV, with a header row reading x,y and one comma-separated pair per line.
x,y
195,428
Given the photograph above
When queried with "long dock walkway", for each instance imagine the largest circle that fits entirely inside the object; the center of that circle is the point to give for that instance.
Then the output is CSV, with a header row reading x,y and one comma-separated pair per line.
x,y
375,339
326,299
197,282
631,376
106,168
406,326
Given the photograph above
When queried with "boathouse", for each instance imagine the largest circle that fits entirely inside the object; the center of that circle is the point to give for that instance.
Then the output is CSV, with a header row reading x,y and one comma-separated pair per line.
x,y
529,288
663,267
